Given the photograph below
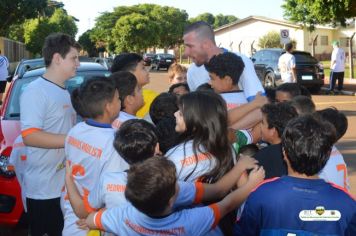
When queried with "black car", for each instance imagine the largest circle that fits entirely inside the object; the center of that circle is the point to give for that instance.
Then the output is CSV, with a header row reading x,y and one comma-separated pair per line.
x,y
147,58
162,60
310,73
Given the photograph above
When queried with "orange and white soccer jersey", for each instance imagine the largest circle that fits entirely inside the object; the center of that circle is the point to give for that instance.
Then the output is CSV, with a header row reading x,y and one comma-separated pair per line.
x,y
123,116
109,192
335,170
183,157
47,107
18,159
89,148
234,98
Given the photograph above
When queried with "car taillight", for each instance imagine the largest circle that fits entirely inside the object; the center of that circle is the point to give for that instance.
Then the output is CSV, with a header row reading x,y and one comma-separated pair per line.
x,y
6,169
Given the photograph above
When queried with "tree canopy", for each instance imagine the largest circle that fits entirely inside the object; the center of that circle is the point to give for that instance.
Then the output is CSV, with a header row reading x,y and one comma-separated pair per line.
x,y
313,12
270,40
215,21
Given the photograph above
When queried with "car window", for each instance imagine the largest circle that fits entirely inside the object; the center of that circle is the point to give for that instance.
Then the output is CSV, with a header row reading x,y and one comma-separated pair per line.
x,y
258,56
302,57
13,109
29,65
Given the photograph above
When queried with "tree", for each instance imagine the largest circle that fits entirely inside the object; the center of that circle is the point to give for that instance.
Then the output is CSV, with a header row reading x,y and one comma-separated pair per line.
x,y
313,12
270,40
221,20
87,43
17,11
207,17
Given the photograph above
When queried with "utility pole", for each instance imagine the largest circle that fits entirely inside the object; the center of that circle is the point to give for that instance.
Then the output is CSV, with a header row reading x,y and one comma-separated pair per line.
x,y
350,57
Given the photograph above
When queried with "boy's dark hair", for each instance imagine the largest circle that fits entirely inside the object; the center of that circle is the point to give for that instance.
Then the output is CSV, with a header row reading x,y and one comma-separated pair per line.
x,y
292,88
271,94
57,43
125,62
173,86
249,150
205,87
303,104
125,83
163,106
151,184
307,142
304,91
167,134
224,64
278,115
288,47
92,96
336,118
202,29
136,140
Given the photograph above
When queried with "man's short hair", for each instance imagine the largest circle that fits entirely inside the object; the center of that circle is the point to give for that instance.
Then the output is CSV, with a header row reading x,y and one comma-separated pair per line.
x,y
288,47
126,62
202,29
151,184
303,104
136,140
336,118
278,115
307,142
224,64
57,43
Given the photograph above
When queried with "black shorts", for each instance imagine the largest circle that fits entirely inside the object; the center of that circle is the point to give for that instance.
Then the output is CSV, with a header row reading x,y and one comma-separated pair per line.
x,y
2,86
45,217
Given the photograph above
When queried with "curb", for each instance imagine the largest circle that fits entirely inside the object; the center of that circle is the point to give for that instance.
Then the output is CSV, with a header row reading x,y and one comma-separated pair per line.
x,y
343,92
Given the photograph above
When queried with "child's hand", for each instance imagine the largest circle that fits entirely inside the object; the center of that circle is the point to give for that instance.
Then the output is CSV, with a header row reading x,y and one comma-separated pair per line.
x,y
256,176
245,162
260,100
82,224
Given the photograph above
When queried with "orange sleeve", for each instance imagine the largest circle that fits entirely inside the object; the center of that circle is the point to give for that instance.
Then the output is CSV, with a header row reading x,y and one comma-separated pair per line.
x,y
97,219
199,192
217,214
26,132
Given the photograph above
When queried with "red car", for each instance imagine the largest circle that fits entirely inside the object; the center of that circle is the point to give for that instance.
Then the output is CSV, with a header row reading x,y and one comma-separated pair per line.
x,y
11,208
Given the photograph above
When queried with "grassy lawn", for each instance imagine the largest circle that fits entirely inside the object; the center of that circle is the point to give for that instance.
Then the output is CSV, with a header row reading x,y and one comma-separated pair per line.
x,y
326,65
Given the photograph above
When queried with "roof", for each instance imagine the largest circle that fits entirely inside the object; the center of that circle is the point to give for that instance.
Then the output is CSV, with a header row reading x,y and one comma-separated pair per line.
x,y
269,20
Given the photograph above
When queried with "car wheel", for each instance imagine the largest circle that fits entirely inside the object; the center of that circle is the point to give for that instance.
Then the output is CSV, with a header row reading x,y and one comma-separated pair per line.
x,y
269,80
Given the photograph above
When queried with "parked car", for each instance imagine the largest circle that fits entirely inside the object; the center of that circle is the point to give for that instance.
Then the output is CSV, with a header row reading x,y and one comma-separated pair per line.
x,y
310,73
147,58
11,208
25,65
104,61
162,60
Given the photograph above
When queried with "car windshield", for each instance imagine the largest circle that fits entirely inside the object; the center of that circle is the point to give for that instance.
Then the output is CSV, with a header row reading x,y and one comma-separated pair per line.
x,y
29,65
302,57
13,109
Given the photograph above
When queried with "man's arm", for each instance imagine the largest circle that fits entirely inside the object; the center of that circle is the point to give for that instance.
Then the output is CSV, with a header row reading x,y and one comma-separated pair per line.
x,y
43,139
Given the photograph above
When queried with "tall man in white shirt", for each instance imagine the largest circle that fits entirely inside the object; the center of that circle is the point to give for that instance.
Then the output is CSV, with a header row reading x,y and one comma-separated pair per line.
x,y
199,41
337,67
286,65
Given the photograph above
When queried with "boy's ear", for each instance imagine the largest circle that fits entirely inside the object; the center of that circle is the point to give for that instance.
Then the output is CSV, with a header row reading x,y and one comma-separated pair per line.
x,y
227,79
129,99
157,150
56,58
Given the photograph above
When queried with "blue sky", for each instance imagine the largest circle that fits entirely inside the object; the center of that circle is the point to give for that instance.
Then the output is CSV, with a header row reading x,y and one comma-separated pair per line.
x,y
87,10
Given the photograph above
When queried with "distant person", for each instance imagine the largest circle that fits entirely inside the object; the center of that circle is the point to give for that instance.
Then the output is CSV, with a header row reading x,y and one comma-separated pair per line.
x,y
300,203
337,67
200,46
286,65
177,74
47,116
4,72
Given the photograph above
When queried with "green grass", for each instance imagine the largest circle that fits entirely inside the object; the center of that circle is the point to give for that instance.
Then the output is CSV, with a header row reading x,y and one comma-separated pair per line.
x,y
326,65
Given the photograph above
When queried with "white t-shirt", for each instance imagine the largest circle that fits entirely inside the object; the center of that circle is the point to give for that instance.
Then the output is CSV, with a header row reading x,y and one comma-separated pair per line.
x,y
286,63
45,106
123,116
234,99
89,148
18,159
4,64
335,170
249,82
338,55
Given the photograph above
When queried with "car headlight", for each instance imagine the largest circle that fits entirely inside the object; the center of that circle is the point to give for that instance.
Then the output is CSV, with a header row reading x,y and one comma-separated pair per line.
x,y
6,169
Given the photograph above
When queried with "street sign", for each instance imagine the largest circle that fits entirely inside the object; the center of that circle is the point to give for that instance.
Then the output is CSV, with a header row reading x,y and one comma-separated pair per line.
x,y
284,36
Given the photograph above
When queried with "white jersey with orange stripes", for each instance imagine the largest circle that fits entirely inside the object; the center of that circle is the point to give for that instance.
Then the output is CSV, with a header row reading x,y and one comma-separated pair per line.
x,y
234,98
185,161
18,159
47,107
89,148
123,116
335,170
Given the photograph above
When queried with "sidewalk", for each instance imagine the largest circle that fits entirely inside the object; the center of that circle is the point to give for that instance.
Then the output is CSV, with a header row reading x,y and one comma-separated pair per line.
x,y
349,86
